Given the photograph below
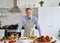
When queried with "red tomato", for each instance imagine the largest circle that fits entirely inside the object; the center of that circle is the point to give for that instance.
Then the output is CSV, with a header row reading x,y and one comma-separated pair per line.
x,y
12,41
42,37
4,41
52,42
41,41
47,38
34,41
1,39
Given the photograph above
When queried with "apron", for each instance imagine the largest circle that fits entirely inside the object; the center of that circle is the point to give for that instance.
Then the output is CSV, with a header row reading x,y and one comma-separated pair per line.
x,y
28,31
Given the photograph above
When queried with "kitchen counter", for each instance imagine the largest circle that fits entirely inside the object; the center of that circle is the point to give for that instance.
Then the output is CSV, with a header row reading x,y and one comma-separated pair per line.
x,y
2,34
29,41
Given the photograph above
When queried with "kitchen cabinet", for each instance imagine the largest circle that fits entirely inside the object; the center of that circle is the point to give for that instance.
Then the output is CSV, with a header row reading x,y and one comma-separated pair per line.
x,y
45,19
49,20
2,32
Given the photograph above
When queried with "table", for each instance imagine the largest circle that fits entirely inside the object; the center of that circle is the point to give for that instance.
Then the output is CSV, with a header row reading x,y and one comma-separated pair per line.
x,y
29,41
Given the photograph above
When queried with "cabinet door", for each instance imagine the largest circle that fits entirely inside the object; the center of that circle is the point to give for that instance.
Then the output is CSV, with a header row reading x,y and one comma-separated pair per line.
x,y
45,20
56,20
2,33
49,19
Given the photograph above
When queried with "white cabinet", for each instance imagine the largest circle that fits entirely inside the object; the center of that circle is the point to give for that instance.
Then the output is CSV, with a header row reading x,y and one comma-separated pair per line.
x,y
49,20
2,33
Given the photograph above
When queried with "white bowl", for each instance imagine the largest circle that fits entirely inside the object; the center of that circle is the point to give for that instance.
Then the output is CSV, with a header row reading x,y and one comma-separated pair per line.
x,y
26,41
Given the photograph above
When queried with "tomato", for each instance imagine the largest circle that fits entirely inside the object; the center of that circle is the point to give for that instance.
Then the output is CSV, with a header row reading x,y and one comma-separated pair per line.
x,y
12,41
47,38
41,41
34,41
52,42
1,39
42,37
4,41
51,38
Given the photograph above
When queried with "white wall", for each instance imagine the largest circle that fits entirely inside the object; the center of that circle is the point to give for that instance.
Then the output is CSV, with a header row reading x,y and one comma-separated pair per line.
x,y
22,3
51,3
48,3
6,3
49,19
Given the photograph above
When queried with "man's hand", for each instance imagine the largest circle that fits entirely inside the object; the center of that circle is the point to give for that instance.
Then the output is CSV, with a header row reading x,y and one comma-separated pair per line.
x,y
17,36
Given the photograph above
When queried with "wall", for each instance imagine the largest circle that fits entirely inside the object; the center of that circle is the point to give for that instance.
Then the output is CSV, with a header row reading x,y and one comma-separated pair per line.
x,y
6,3
23,3
51,3
29,3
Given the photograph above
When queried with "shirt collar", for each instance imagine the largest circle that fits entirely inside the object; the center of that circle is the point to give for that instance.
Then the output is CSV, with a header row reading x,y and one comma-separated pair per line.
x,y
28,19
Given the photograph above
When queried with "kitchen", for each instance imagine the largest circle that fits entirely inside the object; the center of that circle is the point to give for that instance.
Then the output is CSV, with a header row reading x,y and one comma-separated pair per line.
x,y
48,15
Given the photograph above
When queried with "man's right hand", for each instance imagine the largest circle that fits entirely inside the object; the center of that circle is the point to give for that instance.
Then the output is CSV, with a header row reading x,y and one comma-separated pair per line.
x,y
17,36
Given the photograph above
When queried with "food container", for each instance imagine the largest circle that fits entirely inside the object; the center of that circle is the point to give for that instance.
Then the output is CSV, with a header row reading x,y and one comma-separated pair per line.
x,y
25,40
43,42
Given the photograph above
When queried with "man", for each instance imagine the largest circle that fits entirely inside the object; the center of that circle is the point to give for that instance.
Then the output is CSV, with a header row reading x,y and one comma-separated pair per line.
x,y
28,19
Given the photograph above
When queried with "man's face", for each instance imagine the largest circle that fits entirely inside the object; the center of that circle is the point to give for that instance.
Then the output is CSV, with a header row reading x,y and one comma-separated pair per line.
x,y
29,13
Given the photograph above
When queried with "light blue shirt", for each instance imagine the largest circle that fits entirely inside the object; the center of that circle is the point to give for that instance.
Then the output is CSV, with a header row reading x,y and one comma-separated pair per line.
x,y
26,20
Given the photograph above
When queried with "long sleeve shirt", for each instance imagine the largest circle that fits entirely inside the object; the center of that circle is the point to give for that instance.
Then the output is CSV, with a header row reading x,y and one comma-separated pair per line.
x,y
26,20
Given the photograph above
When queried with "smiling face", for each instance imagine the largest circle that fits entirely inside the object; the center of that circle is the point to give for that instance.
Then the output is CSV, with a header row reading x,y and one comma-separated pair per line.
x,y
28,12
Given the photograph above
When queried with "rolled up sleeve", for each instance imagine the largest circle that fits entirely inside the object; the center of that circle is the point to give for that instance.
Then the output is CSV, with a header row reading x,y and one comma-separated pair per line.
x,y
20,26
